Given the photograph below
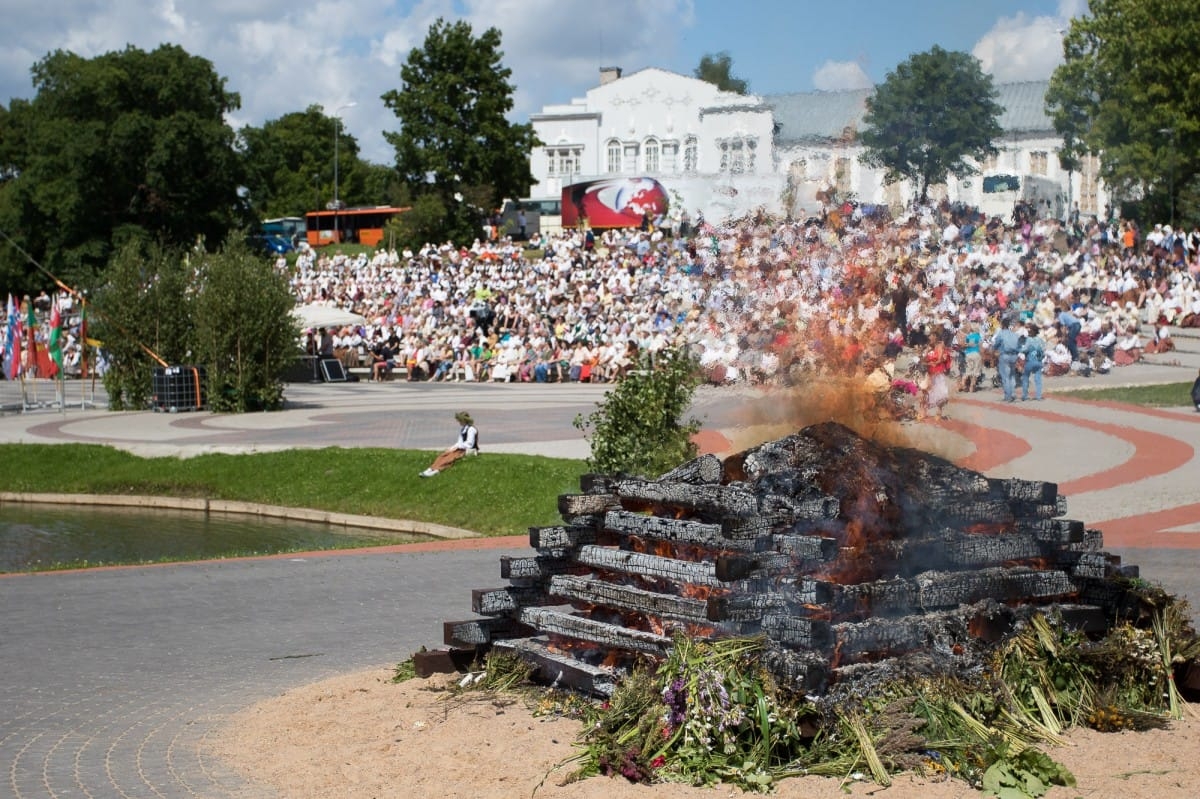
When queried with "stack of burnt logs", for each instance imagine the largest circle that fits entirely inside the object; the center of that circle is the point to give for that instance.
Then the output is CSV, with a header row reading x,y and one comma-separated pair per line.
x,y
844,553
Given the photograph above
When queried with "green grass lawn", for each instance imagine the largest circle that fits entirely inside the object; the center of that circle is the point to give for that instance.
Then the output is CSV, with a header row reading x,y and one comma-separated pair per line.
x,y
1166,395
492,494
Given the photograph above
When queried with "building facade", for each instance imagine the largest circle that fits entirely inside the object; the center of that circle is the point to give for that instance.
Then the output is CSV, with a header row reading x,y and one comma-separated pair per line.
x,y
725,155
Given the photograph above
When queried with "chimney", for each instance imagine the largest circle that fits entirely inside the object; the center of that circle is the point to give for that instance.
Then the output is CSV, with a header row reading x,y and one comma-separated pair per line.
x,y
609,74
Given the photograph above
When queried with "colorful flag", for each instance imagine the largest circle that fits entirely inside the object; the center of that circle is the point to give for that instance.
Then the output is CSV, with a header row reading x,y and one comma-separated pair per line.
x,y
31,337
54,344
12,338
83,342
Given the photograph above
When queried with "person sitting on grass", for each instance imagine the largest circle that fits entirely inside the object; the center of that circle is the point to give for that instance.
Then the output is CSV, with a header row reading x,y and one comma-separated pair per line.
x,y
468,442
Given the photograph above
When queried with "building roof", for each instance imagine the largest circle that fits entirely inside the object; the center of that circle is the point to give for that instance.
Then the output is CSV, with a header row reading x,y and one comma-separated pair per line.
x,y
820,117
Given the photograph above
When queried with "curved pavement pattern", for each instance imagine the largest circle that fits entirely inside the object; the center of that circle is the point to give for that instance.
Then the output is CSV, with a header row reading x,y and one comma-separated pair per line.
x,y
113,679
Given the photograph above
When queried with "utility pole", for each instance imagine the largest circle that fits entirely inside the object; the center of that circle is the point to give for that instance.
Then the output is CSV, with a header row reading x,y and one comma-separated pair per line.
x,y
337,203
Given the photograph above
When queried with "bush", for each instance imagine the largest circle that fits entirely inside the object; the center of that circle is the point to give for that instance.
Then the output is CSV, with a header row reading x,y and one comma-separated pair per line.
x,y
144,306
245,334
227,311
637,427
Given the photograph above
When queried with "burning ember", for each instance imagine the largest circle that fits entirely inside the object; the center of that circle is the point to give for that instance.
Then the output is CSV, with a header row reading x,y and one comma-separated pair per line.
x,y
843,552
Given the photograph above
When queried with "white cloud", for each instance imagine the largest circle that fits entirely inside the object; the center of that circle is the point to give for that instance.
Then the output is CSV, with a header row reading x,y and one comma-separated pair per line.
x,y
280,56
840,75
1024,47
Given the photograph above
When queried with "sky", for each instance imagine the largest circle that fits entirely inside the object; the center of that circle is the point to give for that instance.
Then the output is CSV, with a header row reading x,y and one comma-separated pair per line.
x,y
284,55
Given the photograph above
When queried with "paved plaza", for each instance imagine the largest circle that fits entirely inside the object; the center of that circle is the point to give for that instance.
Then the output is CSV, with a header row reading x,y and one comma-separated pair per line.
x,y
113,679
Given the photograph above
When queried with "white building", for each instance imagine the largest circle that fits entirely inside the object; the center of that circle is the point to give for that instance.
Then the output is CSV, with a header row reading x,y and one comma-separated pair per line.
x,y
725,154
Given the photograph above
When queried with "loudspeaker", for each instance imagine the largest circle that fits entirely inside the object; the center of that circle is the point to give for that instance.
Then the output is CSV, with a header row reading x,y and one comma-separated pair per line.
x,y
333,370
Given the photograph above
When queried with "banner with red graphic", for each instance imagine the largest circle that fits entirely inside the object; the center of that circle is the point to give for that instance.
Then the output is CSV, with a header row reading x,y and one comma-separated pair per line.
x,y
613,202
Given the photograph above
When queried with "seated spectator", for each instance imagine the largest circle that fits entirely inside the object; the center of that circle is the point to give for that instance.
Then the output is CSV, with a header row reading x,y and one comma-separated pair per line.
x,y
468,442
383,361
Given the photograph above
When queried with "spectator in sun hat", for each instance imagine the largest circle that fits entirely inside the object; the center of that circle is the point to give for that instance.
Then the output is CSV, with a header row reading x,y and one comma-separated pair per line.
x,y
468,443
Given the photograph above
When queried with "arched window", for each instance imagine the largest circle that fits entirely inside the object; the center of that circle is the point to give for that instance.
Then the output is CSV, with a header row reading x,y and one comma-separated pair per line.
x,y
691,155
614,157
651,155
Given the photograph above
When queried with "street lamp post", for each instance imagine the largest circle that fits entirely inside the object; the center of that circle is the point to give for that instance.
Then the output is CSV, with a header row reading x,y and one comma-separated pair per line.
x,y
337,203
1170,132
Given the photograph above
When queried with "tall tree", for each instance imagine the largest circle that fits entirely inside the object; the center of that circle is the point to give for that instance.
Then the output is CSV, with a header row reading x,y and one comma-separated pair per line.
x,y
717,69
289,166
934,112
1126,89
126,145
455,143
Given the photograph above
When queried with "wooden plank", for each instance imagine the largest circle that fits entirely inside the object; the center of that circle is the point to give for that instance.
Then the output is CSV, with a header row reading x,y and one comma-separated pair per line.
x,y
756,526
616,560
1059,531
948,589
562,536
704,470
536,568
559,669
602,634
664,529
443,661
500,601
479,632
626,597
807,547
743,607
1033,491
1090,541
714,499
798,631
586,504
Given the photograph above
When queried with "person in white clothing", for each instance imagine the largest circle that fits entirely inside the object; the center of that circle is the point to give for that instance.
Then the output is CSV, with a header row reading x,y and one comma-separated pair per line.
x,y
468,443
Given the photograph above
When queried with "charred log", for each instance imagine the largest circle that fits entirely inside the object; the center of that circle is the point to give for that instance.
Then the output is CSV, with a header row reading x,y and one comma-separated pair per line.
x,y
705,470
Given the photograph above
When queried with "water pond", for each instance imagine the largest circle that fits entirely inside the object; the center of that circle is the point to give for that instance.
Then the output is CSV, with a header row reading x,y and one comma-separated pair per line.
x,y
40,537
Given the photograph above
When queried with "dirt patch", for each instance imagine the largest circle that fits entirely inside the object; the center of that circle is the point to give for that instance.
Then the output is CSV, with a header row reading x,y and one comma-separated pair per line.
x,y
359,735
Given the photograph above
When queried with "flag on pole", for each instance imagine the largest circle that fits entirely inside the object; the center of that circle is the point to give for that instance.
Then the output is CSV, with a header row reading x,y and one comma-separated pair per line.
x,y
83,345
54,343
12,341
31,337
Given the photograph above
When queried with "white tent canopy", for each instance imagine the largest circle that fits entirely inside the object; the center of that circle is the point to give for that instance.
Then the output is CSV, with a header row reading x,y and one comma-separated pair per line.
x,y
316,316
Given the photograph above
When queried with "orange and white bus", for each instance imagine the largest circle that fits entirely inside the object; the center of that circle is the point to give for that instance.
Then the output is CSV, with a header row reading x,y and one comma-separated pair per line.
x,y
352,225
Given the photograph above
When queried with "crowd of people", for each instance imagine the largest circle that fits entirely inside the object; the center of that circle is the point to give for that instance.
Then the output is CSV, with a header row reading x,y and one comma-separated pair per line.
x,y
774,301
920,301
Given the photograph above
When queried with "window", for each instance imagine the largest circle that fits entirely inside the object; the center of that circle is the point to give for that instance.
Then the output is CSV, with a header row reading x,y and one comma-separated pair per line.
x,y
691,155
614,157
1037,162
651,151
737,155
631,158
563,161
670,157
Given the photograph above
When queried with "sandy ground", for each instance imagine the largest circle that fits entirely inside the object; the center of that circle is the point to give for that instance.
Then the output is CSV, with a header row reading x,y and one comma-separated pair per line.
x,y
359,735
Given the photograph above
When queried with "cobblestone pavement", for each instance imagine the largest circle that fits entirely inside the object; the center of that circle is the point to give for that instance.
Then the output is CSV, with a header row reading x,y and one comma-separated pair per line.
x,y
113,679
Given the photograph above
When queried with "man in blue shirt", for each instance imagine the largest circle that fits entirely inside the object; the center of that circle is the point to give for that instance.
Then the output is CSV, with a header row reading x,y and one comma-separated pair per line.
x,y
1072,326
1007,345
1034,353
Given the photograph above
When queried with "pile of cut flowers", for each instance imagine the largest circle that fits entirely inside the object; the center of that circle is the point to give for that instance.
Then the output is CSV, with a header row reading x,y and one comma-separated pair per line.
x,y
711,712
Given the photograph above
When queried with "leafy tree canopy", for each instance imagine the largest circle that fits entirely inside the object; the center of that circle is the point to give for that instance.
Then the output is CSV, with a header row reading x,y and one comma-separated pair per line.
x,y
289,166
717,69
934,112
1126,89
455,142
127,145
